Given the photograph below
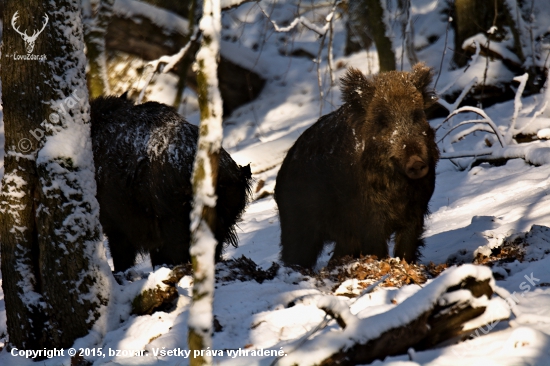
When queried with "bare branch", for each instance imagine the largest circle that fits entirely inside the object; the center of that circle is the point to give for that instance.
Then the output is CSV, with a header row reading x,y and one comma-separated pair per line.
x,y
330,52
458,100
304,21
449,20
466,154
517,105
477,127
472,61
469,122
486,119
535,116
171,61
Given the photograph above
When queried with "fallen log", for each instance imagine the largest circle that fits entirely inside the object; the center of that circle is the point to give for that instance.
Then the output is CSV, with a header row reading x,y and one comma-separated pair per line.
x,y
433,315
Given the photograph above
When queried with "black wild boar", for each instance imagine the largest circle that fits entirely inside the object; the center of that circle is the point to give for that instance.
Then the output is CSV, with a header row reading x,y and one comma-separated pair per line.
x,y
144,158
362,172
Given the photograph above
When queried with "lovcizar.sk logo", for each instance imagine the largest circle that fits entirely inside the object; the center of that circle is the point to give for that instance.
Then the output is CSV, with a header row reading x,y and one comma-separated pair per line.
x,y
29,40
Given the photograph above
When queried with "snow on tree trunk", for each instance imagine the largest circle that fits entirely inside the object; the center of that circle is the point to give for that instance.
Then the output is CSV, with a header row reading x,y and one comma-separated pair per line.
x,y
95,31
55,276
21,100
205,174
68,216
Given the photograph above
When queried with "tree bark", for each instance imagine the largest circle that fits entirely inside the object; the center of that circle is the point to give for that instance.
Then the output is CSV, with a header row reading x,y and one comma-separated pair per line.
x,y
54,281
377,29
357,37
95,32
23,110
205,174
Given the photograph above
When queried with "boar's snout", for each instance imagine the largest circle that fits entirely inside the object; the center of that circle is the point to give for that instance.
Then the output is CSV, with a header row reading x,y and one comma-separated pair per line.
x,y
416,168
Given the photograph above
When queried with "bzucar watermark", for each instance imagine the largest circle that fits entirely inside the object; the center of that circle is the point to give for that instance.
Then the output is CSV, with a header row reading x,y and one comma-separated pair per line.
x,y
25,145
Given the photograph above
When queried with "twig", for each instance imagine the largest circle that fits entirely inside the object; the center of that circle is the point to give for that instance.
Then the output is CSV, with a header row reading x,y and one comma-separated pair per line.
x,y
304,21
319,79
472,61
480,112
488,47
477,127
535,116
171,61
165,63
371,287
330,51
517,105
466,154
469,122
458,100
147,82
328,27
449,20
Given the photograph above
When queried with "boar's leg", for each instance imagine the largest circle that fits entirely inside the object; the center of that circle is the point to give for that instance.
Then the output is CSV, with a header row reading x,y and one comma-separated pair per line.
x,y
301,242
408,240
362,242
122,250
173,247
167,255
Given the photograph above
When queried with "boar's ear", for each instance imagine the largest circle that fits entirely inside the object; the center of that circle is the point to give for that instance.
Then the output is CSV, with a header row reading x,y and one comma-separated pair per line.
x,y
356,89
421,77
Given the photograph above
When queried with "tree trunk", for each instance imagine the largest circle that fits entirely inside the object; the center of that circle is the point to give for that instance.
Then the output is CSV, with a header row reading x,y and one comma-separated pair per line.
x,y
205,173
95,32
378,28
54,279
22,97
357,37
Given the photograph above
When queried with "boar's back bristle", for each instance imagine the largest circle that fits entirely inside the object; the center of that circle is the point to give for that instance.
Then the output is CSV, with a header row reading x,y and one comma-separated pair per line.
x,y
102,106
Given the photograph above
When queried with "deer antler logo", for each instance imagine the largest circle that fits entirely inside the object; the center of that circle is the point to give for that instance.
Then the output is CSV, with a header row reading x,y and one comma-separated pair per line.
x,y
29,40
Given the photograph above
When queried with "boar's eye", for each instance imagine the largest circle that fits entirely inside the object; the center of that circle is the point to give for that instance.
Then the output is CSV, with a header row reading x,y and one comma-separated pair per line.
x,y
382,119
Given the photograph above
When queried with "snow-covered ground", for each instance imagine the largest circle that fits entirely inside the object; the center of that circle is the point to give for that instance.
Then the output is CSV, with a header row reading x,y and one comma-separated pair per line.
x,y
472,211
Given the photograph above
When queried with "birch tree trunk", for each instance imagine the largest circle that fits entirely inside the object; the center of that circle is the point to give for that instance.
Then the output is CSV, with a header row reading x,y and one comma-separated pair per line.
x,y
55,276
205,173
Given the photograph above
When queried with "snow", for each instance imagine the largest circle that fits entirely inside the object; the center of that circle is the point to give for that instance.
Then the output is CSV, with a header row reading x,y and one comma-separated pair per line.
x,y
160,17
370,328
472,211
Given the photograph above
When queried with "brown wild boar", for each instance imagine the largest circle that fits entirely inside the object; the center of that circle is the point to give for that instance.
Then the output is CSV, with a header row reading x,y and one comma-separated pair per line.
x,y
362,172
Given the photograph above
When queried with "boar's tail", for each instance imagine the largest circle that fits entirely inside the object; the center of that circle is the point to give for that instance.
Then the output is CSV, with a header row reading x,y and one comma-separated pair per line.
x,y
230,237
246,175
